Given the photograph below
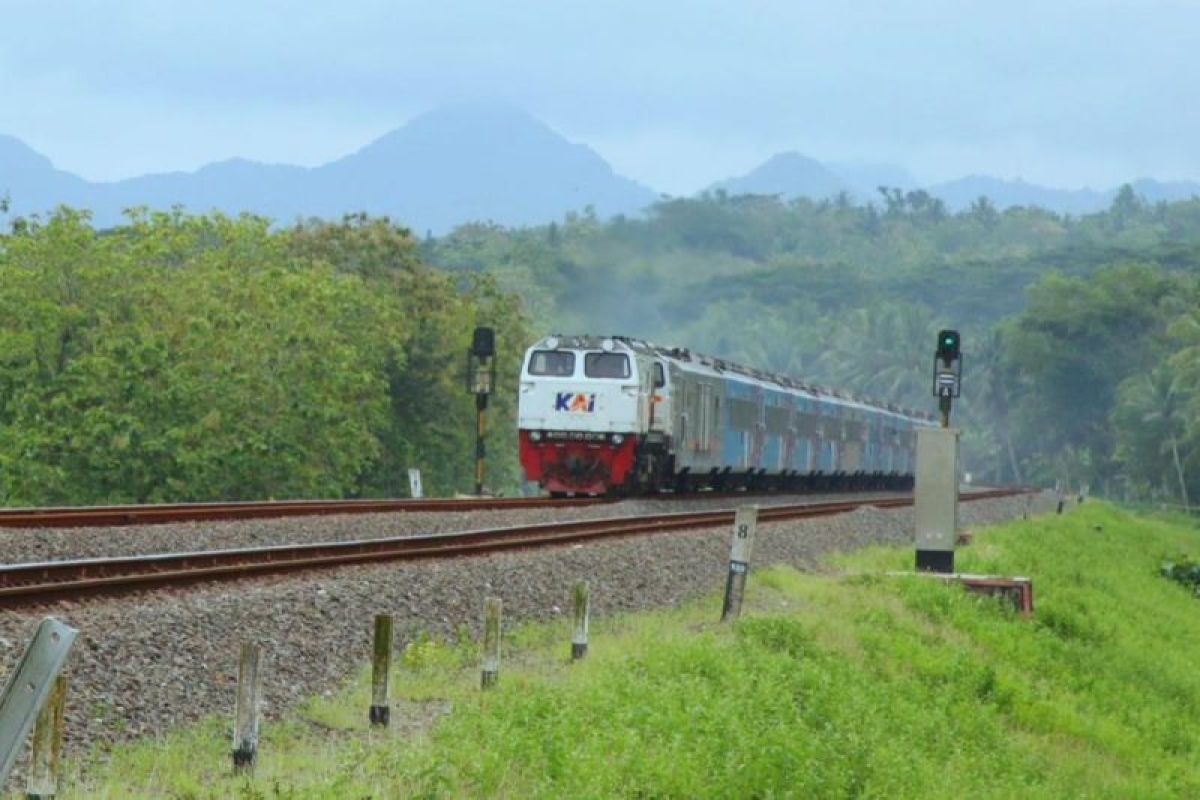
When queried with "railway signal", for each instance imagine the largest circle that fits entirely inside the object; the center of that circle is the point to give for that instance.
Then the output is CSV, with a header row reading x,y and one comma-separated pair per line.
x,y
947,372
481,380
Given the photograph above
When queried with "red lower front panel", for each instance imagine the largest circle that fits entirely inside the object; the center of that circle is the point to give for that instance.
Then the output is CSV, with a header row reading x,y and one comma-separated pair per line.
x,y
579,467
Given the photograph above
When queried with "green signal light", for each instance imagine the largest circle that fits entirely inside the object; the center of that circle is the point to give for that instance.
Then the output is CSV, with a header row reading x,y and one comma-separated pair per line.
x,y
948,342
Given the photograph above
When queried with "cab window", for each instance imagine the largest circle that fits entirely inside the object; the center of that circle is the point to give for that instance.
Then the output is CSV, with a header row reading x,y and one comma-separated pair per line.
x,y
606,365
553,363
660,375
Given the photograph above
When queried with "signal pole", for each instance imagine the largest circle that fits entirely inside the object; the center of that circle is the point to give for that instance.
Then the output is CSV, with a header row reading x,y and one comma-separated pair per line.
x,y
481,377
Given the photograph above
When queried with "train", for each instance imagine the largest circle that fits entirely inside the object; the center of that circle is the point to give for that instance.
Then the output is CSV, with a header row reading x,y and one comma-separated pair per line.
x,y
616,415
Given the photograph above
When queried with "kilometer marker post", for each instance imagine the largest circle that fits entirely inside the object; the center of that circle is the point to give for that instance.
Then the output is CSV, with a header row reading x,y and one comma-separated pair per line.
x,y
744,523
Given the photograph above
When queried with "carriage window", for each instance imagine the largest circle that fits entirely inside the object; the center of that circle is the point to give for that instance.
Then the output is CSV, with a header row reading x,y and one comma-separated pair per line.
x,y
606,365
555,363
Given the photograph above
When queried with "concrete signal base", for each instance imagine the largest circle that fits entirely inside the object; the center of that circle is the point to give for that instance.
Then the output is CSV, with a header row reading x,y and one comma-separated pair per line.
x,y
936,499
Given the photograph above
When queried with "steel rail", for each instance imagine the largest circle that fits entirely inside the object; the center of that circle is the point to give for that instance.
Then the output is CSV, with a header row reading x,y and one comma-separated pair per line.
x,y
100,516
47,581
159,514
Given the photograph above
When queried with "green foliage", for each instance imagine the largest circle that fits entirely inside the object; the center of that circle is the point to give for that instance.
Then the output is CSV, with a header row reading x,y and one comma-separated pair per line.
x,y
1057,312
828,686
1184,570
184,358
180,357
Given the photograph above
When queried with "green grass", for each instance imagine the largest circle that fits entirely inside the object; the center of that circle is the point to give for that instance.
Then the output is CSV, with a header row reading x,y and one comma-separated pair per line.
x,y
829,686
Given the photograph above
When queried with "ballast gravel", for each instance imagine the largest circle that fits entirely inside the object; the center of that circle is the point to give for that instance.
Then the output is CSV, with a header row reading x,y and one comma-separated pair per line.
x,y
21,545
144,664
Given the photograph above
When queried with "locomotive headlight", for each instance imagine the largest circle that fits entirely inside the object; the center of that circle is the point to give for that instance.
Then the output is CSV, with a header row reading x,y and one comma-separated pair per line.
x,y
535,436
616,438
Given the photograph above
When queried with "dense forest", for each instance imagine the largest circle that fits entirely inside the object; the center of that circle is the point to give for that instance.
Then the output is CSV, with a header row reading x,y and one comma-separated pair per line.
x,y
202,357
1081,334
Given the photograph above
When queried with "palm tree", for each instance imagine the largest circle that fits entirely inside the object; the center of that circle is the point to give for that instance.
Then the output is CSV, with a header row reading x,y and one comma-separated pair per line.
x,y
881,352
992,388
1150,422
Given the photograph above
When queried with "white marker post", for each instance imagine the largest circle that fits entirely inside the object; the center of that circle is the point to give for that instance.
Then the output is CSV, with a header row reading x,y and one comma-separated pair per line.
x,y
246,713
491,643
744,524
381,665
579,638
414,484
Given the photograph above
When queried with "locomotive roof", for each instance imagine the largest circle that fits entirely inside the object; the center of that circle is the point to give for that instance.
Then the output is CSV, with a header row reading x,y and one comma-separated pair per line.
x,y
720,366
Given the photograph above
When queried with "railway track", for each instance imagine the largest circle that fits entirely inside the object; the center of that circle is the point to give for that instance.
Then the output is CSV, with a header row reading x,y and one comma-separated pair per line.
x,y
160,514
100,516
50,581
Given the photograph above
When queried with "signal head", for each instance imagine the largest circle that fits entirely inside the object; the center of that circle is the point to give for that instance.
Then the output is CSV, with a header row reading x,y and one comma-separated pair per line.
x,y
483,343
948,345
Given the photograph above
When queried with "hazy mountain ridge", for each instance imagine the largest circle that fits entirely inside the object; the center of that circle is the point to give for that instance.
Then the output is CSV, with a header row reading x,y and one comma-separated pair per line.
x,y
444,168
488,163
792,175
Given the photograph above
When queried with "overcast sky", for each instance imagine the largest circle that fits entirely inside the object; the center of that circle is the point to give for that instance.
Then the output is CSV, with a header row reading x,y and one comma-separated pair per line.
x,y
675,94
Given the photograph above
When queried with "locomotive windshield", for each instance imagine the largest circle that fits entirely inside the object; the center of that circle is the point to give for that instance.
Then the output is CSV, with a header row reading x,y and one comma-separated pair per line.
x,y
606,365
554,363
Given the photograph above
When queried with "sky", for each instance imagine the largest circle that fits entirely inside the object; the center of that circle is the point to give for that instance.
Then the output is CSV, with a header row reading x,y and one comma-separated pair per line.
x,y
674,94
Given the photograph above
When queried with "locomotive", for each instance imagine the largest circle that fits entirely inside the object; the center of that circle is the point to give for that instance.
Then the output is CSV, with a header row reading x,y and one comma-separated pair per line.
x,y
616,415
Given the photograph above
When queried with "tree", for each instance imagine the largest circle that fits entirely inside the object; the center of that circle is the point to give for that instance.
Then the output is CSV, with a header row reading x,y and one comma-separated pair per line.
x,y
1149,423
1074,344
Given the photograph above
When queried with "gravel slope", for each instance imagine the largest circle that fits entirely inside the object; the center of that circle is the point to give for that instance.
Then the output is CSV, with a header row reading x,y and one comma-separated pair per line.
x,y
144,664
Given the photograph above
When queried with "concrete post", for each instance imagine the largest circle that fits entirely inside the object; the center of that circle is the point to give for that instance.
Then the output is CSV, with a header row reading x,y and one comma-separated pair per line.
x,y
579,638
491,643
936,501
744,524
381,664
246,715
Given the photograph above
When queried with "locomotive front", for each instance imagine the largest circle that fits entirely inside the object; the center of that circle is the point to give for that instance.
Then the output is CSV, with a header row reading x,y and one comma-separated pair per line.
x,y
583,408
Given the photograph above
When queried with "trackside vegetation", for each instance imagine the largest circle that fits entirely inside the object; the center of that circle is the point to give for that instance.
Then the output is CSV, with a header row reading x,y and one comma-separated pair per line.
x,y
1080,333
204,357
182,357
845,683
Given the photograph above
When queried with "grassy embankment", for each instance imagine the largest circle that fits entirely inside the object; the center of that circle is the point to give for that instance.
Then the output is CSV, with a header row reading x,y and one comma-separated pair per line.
x,y
829,686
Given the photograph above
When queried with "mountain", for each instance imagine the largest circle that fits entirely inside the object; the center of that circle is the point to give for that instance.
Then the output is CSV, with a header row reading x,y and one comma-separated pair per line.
x,y
1166,191
444,168
30,181
792,175
479,163
866,178
487,163
959,194
789,175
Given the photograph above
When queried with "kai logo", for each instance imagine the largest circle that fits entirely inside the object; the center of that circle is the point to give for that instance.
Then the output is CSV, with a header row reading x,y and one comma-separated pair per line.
x,y
575,403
